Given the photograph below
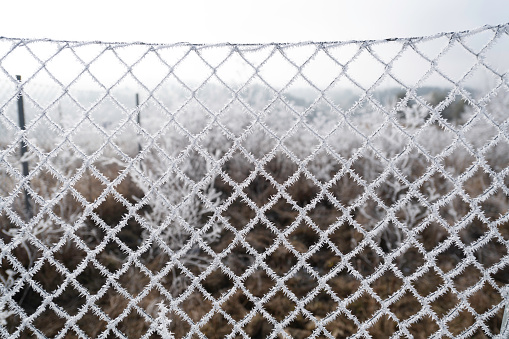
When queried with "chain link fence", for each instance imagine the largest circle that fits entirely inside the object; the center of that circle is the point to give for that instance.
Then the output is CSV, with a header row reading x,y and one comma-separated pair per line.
x,y
321,189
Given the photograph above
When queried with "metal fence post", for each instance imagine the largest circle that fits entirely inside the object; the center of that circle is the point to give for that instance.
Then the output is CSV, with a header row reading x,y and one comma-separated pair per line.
x,y
24,148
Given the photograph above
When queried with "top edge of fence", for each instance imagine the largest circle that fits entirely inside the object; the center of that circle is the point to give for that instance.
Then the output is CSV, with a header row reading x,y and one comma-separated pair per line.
x,y
255,46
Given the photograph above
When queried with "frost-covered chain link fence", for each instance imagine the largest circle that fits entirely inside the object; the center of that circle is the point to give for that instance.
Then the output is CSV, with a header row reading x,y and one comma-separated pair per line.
x,y
329,189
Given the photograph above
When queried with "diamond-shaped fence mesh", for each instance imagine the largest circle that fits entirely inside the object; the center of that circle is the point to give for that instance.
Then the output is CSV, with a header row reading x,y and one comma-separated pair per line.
x,y
323,190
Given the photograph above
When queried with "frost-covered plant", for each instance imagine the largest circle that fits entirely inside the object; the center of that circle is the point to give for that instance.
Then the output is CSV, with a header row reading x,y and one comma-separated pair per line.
x,y
47,226
390,143
175,208
4,315
6,283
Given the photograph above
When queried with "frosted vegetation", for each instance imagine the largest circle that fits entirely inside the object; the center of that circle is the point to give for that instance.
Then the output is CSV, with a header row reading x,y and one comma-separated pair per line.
x,y
378,167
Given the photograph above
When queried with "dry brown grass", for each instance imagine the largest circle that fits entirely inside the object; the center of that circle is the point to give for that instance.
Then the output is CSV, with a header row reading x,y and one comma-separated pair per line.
x,y
346,238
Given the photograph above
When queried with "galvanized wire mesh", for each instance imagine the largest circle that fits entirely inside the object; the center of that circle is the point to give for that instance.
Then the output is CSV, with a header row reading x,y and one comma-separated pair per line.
x,y
362,186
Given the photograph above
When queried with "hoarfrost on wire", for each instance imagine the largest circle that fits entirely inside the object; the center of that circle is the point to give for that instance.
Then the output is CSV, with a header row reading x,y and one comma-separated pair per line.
x,y
400,165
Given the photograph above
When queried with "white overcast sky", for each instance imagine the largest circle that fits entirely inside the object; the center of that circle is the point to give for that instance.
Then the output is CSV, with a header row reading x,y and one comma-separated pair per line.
x,y
246,21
